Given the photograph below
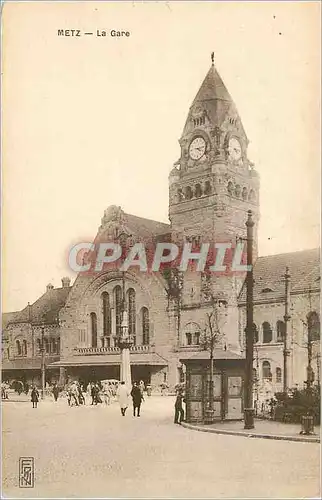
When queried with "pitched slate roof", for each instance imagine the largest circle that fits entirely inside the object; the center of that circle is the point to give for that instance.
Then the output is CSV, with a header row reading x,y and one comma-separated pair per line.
x,y
269,284
145,227
45,309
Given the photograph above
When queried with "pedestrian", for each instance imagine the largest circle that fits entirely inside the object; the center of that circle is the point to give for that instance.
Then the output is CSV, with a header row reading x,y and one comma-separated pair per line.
x,y
106,394
164,387
73,395
136,398
80,396
55,391
178,409
123,397
34,397
93,393
142,388
89,391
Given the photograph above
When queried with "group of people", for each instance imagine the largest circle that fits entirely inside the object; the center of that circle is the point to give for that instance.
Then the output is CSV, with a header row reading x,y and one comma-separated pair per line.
x,y
137,394
105,391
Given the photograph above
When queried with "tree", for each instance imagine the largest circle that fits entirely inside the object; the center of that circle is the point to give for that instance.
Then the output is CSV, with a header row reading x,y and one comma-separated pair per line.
x,y
174,280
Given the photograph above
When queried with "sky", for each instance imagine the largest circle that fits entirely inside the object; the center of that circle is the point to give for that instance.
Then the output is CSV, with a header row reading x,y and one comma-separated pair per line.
x,y
92,121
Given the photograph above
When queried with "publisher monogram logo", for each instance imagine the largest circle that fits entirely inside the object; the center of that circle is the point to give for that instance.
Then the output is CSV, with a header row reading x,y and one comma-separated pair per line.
x,y
26,472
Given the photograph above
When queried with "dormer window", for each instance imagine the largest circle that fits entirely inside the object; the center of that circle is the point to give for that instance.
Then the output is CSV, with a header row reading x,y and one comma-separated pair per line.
x,y
267,290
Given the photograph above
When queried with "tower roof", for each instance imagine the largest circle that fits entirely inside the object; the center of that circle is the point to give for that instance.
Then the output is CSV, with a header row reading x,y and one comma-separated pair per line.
x,y
212,88
213,99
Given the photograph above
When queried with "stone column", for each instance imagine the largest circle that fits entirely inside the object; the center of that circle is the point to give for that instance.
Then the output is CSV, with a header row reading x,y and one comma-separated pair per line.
x,y
125,343
126,367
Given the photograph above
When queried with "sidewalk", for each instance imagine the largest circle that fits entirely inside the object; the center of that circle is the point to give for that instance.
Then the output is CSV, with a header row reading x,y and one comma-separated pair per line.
x,y
266,429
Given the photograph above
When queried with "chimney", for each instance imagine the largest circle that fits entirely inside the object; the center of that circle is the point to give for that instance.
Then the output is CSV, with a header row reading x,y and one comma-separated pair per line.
x,y
49,287
65,282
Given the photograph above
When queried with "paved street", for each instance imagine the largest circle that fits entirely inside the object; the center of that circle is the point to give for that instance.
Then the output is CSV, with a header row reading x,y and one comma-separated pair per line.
x,y
94,452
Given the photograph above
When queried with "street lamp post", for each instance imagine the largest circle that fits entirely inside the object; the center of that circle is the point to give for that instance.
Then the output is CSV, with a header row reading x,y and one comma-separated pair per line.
x,y
248,394
43,366
287,317
309,361
125,342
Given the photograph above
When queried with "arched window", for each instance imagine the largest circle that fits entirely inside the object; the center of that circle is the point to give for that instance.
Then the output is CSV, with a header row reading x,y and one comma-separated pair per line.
x,y
18,348
188,193
230,188
132,313
94,329
255,333
267,333
191,334
313,324
107,323
244,194
278,375
145,326
266,370
118,299
24,347
198,191
237,191
280,331
254,375
207,189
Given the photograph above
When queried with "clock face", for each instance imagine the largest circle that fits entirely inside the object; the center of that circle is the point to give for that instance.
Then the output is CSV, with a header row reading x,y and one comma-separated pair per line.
x,y
197,148
234,149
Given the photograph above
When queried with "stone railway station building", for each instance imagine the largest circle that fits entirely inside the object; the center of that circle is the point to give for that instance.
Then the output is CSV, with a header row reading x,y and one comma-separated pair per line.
x,y
212,187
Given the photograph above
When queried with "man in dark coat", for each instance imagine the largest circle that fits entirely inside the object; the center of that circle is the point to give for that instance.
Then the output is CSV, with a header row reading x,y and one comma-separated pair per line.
x,y
55,392
34,397
179,411
136,398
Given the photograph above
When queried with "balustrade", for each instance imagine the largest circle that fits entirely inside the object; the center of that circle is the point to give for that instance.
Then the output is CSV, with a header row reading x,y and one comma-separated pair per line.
x,y
111,350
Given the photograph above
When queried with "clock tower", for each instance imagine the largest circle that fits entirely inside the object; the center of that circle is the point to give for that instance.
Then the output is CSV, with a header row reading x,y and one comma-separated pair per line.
x,y
213,184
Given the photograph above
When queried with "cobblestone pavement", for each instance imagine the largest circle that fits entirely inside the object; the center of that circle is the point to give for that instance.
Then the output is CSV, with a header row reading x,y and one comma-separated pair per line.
x,y
95,452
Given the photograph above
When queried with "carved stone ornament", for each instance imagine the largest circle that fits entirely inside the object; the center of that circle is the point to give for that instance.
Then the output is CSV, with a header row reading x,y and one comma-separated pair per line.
x,y
113,214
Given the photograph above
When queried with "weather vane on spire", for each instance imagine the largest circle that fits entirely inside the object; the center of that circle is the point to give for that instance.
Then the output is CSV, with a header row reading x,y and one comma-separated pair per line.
x,y
212,57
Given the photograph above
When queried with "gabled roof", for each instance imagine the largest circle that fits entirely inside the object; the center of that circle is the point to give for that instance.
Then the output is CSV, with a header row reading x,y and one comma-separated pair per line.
x,y
45,309
304,270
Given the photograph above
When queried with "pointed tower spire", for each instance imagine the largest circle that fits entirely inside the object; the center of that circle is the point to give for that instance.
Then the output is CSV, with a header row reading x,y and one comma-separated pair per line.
x,y
212,101
212,88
